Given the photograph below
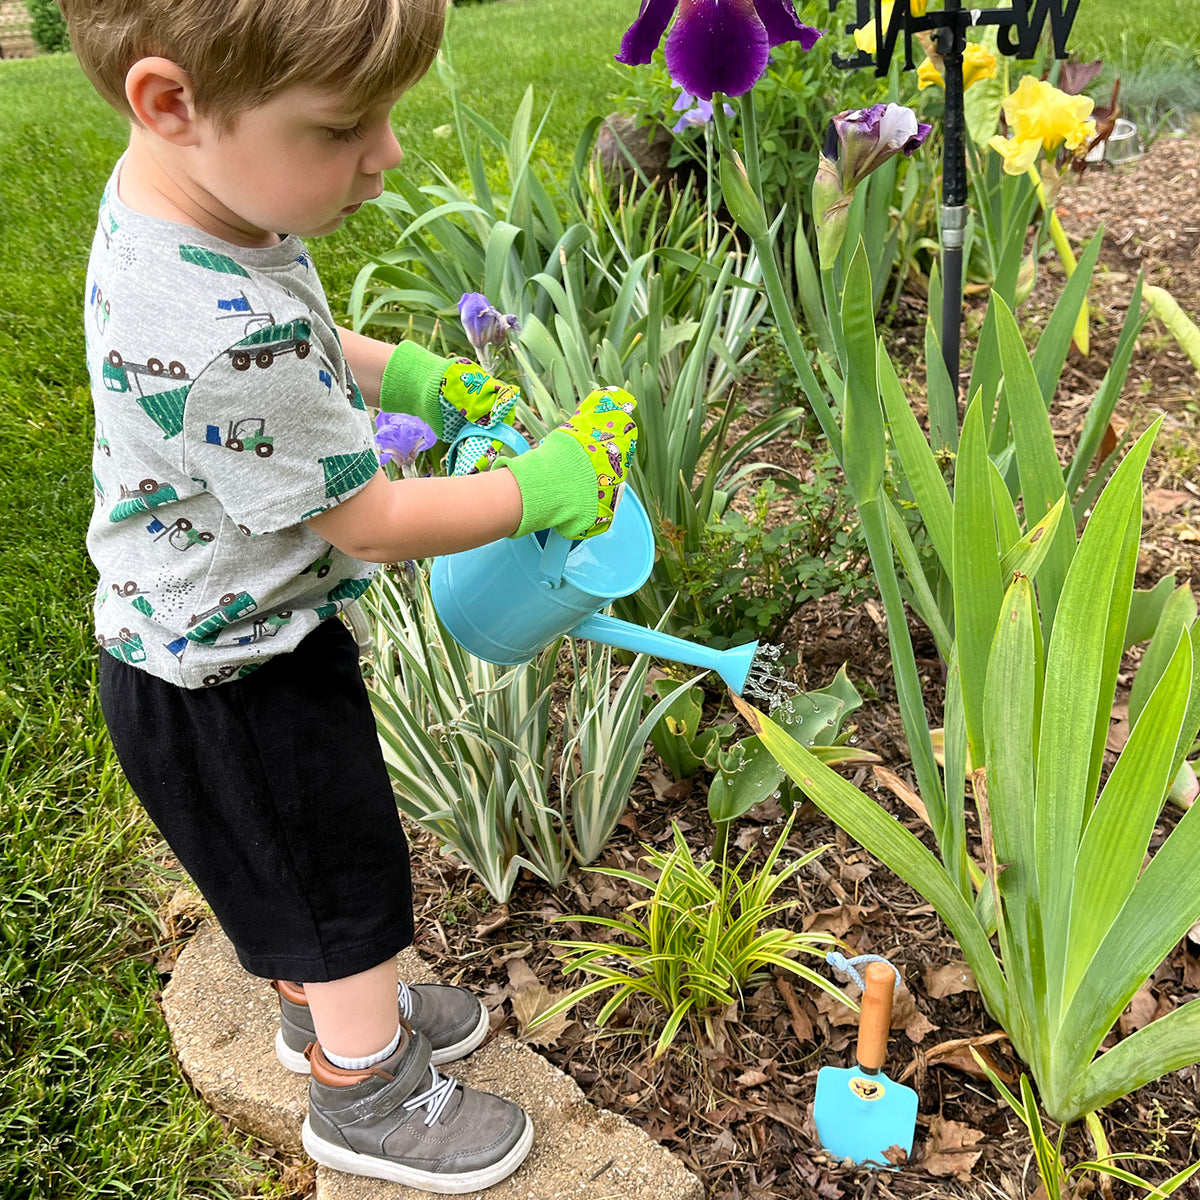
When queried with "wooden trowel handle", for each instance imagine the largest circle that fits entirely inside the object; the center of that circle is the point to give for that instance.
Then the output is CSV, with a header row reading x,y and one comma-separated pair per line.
x,y
875,1019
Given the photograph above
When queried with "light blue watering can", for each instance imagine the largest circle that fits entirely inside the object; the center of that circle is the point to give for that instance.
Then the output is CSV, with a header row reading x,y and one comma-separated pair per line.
x,y
507,600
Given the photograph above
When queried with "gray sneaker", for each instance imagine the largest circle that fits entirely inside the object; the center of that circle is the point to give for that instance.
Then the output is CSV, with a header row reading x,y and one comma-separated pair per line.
x,y
402,1121
453,1020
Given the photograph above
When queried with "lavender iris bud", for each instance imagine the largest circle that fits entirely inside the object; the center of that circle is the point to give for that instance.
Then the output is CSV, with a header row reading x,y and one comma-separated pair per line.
x,y
485,325
400,437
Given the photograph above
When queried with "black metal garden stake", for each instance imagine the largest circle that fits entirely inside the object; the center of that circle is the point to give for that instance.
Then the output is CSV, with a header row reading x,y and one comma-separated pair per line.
x,y
1019,30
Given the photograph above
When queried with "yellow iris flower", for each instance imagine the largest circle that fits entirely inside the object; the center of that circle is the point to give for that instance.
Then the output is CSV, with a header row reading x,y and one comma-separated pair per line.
x,y
1042,118
866,39
978,63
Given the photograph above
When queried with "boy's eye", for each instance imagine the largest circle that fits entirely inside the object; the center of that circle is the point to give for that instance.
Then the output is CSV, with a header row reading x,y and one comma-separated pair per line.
x,y
351,134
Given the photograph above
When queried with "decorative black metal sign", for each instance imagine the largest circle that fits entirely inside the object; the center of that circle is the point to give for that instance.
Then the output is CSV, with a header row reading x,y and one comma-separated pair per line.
x,y
1019,29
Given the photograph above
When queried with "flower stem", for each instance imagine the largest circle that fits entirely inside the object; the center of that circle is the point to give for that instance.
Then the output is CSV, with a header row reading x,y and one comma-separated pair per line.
x,y
781,309
750,142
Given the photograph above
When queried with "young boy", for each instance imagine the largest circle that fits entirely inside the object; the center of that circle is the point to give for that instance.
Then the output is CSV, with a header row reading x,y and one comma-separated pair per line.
x,y
240,507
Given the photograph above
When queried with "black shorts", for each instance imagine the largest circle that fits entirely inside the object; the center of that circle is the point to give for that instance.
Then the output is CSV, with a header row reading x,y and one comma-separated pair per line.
x,y
273,793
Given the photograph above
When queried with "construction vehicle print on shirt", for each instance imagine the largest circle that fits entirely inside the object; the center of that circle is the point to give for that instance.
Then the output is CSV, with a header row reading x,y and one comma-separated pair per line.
x,y
211,260
230,671
344,592
239,308
180,534
126,646
117,372
346,472
249,433
135,595
265,627
147,495
101,308
265,345
321,566
164,408
204,627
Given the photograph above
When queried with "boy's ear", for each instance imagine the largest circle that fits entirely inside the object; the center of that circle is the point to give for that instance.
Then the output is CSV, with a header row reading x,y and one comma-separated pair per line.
x,y
161,95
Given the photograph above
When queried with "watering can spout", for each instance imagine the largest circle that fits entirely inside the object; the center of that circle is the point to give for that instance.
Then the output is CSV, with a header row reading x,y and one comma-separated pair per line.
x,y
732,665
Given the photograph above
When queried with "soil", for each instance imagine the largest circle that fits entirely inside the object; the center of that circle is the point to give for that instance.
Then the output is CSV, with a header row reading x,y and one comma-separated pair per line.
x,y
737,1110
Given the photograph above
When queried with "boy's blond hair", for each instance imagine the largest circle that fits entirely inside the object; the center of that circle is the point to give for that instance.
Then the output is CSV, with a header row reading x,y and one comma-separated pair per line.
x,y
240,53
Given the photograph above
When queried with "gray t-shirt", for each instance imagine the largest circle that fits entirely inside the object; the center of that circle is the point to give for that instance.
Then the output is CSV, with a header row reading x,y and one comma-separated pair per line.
x,y
225,415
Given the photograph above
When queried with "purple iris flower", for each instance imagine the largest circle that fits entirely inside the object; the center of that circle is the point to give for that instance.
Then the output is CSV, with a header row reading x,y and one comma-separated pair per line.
x,y
485,325
699,112
858,142
865,138
714,45
400,437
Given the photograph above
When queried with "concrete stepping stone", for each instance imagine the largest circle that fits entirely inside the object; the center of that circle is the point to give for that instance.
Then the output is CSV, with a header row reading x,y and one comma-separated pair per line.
x,y
223,1024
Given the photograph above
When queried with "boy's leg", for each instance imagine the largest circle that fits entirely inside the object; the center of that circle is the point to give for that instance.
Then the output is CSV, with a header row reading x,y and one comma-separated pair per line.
x,y
356,1017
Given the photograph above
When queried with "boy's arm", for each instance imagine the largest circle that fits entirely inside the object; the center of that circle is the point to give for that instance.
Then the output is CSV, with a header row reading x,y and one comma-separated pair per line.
x,y
566,483
368,358
390,520
445,393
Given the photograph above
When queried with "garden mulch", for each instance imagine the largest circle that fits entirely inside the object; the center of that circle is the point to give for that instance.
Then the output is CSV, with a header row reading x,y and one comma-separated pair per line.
x,y
737,1110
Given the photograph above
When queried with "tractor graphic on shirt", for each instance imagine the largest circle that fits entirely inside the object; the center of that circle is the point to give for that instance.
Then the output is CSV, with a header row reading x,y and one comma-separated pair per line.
x,y
205,626
263,346
248,433
126,646
147,495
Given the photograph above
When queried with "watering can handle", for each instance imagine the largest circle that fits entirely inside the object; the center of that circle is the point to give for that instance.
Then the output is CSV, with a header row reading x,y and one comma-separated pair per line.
x,y
498,433
556,547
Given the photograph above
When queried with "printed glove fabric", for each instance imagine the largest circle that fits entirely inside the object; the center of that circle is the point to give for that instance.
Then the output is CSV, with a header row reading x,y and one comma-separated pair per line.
x,y
447,394
572,481
469,395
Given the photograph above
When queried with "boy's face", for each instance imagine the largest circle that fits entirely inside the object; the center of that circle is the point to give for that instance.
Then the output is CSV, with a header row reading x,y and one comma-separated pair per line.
x,y
300,163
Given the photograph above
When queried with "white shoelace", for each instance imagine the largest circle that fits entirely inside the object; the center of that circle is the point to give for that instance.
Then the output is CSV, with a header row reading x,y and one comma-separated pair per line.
x,y
435,1097
405,998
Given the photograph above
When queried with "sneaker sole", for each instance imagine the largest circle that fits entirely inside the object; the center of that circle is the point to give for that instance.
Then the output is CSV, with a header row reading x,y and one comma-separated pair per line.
x,y
339,1158
295,1061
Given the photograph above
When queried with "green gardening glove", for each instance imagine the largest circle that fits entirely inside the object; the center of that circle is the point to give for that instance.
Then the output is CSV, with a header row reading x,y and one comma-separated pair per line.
x,y
571,482
447,394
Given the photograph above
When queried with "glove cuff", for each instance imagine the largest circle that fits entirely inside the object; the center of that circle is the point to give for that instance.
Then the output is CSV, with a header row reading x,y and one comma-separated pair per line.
x,y
558,487
411,383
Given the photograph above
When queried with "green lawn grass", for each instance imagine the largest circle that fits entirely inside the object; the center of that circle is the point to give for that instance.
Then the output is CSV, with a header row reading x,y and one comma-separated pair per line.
x,y
91,1104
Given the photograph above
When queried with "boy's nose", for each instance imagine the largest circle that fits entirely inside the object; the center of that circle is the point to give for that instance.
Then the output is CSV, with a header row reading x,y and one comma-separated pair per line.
x,y
385,155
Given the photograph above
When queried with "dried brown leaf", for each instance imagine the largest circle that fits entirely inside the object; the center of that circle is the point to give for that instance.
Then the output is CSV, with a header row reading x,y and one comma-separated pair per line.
x,y
948,1148
1140,1012
950,980
531,1002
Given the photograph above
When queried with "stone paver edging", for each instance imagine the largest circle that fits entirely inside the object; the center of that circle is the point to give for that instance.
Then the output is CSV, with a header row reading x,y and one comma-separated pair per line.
x,y
223,1024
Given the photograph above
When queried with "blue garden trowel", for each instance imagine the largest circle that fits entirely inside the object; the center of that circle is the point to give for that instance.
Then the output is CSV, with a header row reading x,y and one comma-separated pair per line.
x,y
859,1112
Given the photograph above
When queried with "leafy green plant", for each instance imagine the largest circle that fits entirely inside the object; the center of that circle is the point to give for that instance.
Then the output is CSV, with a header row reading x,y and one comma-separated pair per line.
x,y
621,290
48,26
1055,1174
677,737
478,755
699,941
755,569
1080,924
747,773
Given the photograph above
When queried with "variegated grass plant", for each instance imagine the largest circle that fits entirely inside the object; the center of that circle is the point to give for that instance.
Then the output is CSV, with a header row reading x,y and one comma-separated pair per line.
x,y
1080,923
494,761
697,941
